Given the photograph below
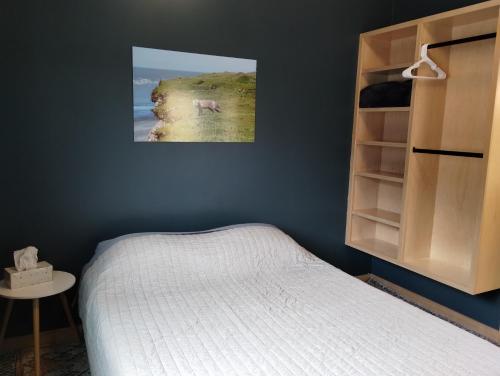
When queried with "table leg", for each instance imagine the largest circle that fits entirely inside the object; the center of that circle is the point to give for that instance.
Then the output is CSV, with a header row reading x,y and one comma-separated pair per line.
x,y
36,335
6,317
69,316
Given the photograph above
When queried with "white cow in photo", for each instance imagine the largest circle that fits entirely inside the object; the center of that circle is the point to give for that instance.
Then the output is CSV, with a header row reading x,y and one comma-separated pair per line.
x,y
202,104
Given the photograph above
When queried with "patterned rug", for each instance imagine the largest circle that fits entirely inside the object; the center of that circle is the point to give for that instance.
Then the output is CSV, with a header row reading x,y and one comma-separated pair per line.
x,y
63,360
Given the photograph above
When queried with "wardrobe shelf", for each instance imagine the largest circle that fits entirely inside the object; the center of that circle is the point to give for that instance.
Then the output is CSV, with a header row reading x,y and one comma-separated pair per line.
x,y
387,68
376,247
384,144
382,175
445,272
384,109
379,215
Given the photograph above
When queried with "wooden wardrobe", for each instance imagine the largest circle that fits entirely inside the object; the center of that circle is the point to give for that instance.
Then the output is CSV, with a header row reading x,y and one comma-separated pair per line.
x,y
425,179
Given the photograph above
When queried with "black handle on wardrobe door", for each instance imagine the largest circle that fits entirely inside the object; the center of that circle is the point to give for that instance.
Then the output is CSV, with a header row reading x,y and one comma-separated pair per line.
x,y
448,152
474,38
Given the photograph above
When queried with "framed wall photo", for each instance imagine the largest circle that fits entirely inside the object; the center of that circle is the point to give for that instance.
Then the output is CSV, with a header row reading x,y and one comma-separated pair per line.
x,y
188,97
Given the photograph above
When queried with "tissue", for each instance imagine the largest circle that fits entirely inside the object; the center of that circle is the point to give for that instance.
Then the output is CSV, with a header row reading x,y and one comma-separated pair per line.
x,y
26,259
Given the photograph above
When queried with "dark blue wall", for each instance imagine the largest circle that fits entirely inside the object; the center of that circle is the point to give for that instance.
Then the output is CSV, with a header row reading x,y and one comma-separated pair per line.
x,y
404,10
483,307
71,175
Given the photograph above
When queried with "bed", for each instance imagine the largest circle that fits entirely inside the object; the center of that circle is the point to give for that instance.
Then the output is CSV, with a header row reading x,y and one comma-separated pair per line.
x,y
249,300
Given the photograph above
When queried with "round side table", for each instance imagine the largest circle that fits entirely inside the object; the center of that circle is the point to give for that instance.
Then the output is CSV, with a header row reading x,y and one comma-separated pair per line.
x,y
61,281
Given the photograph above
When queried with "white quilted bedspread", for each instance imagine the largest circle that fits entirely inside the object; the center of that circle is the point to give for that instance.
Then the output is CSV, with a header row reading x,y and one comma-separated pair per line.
x,y
250,301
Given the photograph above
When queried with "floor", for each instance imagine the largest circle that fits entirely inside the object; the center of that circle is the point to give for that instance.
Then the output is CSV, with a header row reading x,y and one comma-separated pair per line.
x,y
64,360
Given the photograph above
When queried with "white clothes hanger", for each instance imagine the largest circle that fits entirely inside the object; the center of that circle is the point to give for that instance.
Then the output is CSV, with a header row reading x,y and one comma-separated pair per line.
x,y
424,59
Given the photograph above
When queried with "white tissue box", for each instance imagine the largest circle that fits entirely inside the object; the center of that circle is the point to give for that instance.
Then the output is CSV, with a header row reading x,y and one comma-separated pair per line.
x,y
15,279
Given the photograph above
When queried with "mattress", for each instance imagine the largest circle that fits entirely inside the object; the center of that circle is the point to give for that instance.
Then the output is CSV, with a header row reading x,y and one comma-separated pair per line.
x,y
251,301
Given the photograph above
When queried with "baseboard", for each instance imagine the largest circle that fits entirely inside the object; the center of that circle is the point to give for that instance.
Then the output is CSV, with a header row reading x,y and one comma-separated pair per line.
x,y
437,309
364,277
47,338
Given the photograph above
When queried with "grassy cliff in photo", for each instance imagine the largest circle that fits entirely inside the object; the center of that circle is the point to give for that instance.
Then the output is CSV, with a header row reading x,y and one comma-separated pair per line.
x,y
182,120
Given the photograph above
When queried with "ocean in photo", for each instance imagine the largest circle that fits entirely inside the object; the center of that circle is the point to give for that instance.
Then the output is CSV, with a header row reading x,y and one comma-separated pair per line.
x,y
144,82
